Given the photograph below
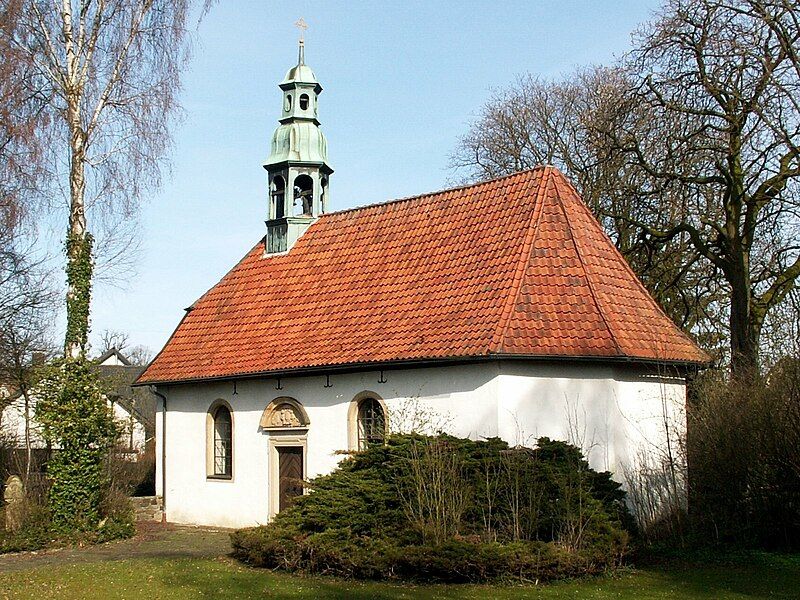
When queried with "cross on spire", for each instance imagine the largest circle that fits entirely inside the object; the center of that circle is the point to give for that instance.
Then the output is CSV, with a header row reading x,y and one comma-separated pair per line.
x,y
302,26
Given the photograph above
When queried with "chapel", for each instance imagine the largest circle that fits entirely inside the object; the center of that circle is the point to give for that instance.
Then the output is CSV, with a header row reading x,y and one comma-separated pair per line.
x,y
497,309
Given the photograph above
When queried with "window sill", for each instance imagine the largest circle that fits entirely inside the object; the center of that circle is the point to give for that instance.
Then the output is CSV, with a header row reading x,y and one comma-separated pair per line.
x,y
219,477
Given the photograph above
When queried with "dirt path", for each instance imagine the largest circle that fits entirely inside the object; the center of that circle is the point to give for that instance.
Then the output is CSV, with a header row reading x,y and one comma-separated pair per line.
x,y
151,541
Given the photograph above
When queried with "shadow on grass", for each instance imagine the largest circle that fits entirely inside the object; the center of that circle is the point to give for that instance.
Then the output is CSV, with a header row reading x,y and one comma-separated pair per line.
x,y
760,575
225,579
771,578
192,578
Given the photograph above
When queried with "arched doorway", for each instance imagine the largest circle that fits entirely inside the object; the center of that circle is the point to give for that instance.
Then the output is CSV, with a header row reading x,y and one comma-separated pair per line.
x,y
286,423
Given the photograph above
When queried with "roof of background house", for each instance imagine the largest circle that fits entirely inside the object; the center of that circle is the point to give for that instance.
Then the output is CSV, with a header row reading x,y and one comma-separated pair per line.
x,y
118,375
116,355
516,266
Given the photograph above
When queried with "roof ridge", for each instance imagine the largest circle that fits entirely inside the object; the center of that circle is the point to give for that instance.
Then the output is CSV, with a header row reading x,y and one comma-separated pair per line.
x,y
524,259
188,310
437,192
260,243
584,268
629,269
113,351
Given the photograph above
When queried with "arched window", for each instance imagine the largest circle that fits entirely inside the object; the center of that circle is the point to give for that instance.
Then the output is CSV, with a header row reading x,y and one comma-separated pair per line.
x,y
222,442
371,423
304,102
288,102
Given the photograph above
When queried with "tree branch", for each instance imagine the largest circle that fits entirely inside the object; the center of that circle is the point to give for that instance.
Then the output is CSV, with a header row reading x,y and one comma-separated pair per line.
x,y
115,72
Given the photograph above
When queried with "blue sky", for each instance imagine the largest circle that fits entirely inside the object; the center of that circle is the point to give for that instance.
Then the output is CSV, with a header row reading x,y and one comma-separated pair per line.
x,y
402,81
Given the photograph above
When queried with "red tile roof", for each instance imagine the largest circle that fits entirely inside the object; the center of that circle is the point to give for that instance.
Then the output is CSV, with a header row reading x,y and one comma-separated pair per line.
x,y
516,266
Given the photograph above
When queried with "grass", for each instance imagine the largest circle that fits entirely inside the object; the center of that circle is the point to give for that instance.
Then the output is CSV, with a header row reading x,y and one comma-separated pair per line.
x,y
765,576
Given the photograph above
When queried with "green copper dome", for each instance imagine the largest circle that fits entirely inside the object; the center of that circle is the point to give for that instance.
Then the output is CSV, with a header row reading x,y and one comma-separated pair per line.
x,y
300,74
298,141
298,138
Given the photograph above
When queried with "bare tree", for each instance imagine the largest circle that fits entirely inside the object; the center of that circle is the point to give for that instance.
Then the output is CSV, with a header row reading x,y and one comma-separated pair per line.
x,y
139,355
537,122
781,332
715,115
112,72
438,493
21,122
112,339
27,304
687,151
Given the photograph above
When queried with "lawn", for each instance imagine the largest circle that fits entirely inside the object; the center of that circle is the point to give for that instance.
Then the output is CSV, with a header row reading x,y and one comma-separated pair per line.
x,y
769,576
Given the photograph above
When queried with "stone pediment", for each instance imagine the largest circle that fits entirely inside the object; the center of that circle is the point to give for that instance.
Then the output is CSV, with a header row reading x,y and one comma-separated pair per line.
x,y
284,413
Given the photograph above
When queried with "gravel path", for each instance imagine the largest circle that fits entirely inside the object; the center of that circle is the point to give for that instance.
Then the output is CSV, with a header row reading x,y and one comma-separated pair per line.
x,y
151,541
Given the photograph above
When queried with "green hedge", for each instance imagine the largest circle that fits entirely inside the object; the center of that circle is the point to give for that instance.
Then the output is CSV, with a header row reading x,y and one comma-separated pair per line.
x,y
536,514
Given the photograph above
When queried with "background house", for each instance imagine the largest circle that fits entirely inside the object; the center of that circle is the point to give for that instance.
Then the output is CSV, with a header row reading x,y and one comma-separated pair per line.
x,y
134,408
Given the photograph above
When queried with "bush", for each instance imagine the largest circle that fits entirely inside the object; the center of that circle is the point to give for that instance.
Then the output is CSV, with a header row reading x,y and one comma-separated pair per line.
x,y
449,509
117,526
146,471
34,534
37,530
463,561
131,477
744,462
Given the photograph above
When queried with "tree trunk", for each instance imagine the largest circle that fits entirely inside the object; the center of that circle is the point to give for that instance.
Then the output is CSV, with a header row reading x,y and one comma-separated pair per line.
x,y
27,435
745,327
78,243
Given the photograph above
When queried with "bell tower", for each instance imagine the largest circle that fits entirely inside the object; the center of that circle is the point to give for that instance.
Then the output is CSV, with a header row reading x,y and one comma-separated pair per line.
x,y
297,166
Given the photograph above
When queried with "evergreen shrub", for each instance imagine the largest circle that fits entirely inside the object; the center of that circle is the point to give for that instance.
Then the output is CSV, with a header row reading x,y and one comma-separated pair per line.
x,y
449,509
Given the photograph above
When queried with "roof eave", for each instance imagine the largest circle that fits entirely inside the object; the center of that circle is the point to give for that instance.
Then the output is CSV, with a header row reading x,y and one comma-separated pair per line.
x,y
428,362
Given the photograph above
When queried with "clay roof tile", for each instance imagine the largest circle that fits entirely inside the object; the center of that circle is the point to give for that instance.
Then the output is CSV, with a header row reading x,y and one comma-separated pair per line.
x,y
514,266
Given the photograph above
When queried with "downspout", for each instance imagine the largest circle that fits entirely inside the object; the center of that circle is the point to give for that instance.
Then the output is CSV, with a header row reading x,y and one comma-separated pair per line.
x,y
155,391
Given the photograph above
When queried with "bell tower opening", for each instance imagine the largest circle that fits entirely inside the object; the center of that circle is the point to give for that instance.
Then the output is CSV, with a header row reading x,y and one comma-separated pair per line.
x,y
303,196
278,196
323,196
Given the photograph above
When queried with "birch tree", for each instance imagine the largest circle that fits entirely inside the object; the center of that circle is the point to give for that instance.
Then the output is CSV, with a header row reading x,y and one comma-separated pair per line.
x,y
111,70
22,119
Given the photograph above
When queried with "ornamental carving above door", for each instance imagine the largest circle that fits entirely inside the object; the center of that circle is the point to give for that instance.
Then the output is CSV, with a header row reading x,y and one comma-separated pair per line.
x,y
284,413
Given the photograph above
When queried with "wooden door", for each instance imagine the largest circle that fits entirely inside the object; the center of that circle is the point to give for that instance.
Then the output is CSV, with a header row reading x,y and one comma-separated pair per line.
x,y
290,475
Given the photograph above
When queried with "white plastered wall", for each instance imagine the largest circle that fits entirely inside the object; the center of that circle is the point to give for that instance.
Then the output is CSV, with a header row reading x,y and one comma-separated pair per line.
x,y
613,413
12,424
133,435
460,399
